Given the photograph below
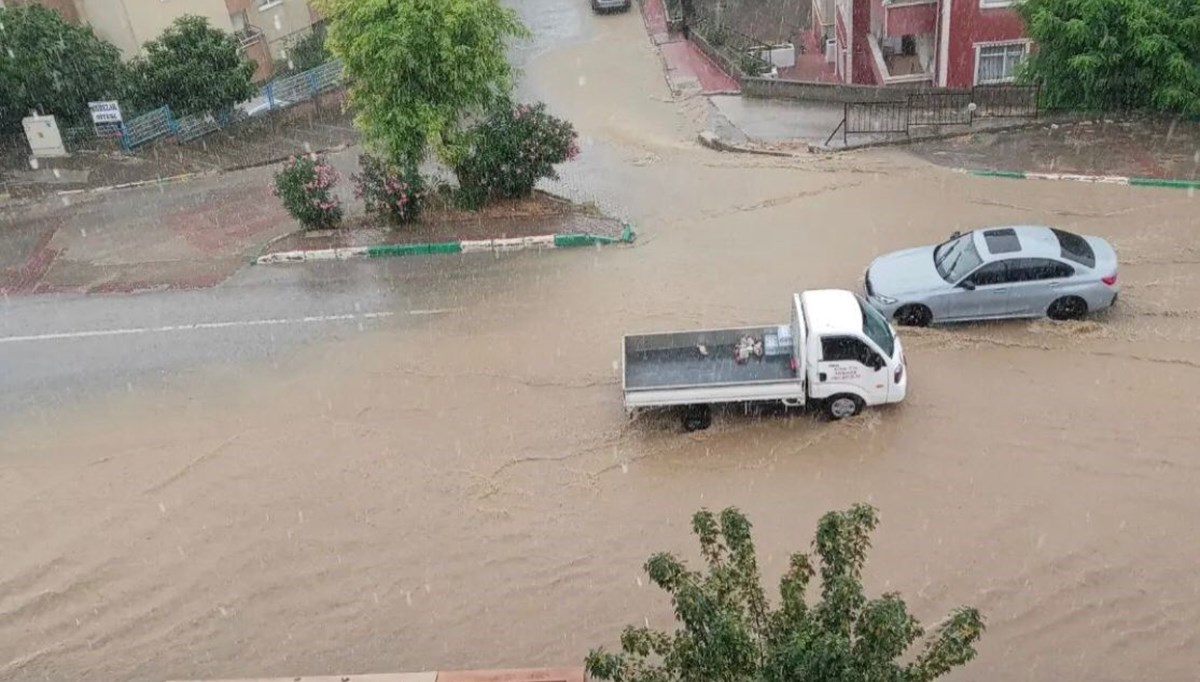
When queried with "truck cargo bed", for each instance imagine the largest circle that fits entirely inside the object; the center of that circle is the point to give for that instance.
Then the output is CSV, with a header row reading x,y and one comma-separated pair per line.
x,y
659,361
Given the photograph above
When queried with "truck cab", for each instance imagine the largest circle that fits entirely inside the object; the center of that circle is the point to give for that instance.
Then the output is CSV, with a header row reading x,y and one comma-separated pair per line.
x,y
851,355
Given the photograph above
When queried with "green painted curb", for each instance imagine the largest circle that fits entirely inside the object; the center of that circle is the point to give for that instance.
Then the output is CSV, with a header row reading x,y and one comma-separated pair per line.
x,y
985,173
1154,182
385,250
564,241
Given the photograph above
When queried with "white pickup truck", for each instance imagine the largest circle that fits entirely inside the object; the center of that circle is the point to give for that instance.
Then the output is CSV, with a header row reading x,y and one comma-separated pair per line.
x,y
837,351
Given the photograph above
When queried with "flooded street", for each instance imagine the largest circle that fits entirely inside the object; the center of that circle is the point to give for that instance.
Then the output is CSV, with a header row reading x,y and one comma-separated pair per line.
x,y
466,491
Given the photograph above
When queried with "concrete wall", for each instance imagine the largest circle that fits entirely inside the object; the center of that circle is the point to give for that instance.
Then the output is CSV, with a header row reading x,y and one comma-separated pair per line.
x,y
110,21
971,24
129,24
279,20
65,8
824,92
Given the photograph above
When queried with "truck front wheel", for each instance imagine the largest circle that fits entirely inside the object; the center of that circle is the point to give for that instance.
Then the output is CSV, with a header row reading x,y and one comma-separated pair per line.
x,y
697,418
843,406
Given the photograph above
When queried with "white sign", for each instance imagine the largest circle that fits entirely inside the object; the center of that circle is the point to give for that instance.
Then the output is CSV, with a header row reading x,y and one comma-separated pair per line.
x,y
105,112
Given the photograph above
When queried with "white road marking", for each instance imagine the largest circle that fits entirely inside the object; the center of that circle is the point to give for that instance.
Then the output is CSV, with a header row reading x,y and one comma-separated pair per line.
x,y
129,331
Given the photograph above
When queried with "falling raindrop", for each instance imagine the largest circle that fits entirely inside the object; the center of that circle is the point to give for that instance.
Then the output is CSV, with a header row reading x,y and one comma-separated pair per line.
x,y
582,81
33,162
162,507
278,22
408,597
57,173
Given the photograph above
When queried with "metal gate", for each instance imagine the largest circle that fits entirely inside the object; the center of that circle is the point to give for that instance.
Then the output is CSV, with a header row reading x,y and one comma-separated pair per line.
x,y
939,108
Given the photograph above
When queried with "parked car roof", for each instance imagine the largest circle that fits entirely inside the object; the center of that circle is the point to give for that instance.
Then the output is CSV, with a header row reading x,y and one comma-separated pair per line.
x,y
1035,241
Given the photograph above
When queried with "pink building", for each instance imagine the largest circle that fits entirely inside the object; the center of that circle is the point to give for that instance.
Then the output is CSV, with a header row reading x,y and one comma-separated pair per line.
x,y
946,43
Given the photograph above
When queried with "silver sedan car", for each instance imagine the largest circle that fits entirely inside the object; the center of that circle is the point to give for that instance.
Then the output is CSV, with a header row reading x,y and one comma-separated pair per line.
x,y
995,273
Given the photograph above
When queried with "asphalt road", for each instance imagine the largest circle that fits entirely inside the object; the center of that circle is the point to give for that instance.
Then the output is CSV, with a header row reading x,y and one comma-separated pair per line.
x,y
57,349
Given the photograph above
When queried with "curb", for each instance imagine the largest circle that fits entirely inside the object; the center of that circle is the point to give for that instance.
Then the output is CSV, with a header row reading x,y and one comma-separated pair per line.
x,y
711,140
545,241
192,176
1092,179
140,183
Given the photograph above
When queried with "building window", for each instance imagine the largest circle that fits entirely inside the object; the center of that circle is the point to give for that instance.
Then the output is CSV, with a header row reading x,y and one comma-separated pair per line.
x,y
267,4
998,63
988,4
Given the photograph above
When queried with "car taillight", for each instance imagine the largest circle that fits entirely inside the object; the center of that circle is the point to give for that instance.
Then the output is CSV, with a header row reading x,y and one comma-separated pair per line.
x,y
1110,280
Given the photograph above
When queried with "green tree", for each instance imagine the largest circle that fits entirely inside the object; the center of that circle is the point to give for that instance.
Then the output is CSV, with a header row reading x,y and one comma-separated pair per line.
x,y
730,633
53,67
417,69
1116,54
304,53
192,67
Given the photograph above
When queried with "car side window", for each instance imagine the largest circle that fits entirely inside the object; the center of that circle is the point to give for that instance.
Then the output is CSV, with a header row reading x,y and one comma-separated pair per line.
x,y
995,272
1060,270
849,349
1037,269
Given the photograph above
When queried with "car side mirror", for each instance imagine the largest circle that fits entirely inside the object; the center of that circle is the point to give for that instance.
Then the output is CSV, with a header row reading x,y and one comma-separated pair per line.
x,y
967,284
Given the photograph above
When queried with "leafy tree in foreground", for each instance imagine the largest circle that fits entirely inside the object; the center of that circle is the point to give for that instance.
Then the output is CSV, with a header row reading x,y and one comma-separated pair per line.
x,y
194,68
418,68
1116,54
729,632
53,67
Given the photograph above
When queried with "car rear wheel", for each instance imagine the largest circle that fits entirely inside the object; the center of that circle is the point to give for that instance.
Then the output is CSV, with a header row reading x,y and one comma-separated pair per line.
x,y
1067,308
843,406
914,315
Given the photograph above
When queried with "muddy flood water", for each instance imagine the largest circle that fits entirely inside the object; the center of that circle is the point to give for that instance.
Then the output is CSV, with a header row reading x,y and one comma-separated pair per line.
x,y
467,492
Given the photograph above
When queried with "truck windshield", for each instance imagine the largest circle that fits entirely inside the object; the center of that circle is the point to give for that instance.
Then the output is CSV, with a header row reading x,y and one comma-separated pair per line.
x,y
956,258
877,329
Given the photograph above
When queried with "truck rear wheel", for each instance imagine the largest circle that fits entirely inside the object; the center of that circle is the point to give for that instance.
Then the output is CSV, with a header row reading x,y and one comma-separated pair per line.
x,y
697,418
842,406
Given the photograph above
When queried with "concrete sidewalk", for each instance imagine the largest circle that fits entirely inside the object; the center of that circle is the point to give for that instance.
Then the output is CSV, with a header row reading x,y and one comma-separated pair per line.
x,y
1142,149
688,70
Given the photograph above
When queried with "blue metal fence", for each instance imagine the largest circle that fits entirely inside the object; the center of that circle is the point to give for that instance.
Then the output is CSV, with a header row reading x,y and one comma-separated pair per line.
x,y
279,93
149,126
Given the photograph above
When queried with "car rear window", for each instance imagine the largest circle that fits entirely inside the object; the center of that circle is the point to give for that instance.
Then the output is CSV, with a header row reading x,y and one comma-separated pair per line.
x,y
1075,248
1002,241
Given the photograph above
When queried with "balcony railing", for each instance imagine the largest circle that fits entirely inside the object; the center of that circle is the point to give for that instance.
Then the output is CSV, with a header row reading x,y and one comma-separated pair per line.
x,y
248,36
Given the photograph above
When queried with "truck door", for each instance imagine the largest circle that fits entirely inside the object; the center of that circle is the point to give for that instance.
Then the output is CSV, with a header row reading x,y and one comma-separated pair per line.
x,y
849,365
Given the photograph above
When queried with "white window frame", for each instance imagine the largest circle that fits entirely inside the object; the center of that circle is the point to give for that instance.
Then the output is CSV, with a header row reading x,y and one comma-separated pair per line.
x,y
264,5
979,47
996,4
